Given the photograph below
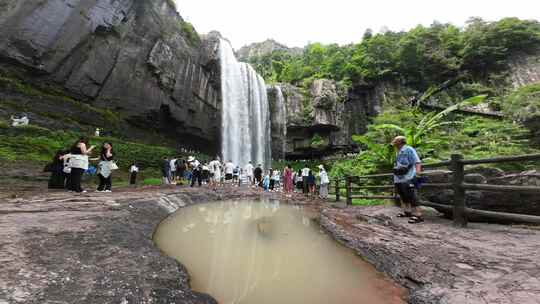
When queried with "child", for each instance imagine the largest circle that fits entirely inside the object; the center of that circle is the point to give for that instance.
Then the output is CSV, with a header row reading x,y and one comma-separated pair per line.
x,y
133,170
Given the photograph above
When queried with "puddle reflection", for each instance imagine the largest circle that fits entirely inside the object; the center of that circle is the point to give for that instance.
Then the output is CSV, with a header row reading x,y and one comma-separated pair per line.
x,y
266,252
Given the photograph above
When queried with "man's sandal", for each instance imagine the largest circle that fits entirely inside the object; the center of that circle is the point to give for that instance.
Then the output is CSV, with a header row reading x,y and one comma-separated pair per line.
x,y
405,214
416,220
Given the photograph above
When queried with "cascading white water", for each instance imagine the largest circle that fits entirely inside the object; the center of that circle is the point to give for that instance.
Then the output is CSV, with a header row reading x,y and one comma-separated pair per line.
x,y
245,134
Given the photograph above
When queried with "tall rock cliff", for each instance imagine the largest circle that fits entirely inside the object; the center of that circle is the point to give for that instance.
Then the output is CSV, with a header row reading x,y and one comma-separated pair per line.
x,y
137,58
319,121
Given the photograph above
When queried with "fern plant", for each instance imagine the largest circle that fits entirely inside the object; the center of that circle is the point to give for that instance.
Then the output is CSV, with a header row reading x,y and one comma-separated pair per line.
x,y
416,134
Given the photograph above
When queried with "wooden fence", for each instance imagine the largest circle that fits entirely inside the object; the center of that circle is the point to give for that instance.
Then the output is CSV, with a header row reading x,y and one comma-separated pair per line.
x,y
456,165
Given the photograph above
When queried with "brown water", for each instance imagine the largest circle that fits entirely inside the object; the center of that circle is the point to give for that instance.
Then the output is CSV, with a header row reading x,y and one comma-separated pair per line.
x,y
266,252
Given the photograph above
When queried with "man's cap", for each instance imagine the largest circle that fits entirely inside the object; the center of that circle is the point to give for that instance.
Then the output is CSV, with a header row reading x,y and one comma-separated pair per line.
x,y
399,139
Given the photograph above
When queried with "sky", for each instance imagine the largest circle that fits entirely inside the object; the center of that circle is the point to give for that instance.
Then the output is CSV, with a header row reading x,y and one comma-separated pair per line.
x,y
299,22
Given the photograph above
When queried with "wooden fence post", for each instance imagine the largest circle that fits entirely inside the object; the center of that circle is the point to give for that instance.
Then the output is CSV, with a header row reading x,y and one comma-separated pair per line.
x,y
349,190
460,217
337,190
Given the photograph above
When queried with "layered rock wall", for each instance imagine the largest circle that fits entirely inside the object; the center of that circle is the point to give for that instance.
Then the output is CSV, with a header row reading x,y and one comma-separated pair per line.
x,y
132,57
321,121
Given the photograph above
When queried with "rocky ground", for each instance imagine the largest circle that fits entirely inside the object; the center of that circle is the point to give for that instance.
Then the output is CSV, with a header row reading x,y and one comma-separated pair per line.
x,y
97,248
439,263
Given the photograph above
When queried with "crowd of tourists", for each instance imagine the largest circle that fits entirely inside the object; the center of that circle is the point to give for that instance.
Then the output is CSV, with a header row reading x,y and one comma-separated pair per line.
x,y
68,167
218,173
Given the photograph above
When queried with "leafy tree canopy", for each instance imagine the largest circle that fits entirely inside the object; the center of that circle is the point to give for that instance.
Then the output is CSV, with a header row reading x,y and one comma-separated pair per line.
x,y
420,58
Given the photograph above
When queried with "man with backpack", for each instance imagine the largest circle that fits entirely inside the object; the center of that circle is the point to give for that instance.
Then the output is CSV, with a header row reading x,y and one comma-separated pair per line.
x,y
407,166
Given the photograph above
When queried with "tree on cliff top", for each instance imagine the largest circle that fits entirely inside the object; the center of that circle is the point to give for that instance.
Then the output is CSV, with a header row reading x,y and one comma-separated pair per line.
x,y
420,58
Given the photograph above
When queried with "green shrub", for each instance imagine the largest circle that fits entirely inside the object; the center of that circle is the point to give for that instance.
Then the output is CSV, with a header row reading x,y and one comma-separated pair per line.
x,y
191,34
4,124
523,103
152,182
317,141
474,137
363,202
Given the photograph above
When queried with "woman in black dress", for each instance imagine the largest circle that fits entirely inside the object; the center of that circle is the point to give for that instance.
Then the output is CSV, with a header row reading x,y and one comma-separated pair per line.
x,y
78,160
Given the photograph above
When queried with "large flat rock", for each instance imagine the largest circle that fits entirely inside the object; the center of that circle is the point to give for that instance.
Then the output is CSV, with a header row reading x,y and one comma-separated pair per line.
x,y
97,248
61,248
440,263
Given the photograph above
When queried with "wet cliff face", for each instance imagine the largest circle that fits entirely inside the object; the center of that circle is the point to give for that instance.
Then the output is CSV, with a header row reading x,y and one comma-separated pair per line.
x,y
134,57
278,121
320,121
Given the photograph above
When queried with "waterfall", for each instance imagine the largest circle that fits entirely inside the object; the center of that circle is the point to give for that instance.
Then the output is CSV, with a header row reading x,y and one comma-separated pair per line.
x,y
245,133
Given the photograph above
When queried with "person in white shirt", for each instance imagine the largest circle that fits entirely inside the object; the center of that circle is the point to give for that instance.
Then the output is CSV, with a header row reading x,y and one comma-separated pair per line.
x,y
173,169
196,171
133,170
323,191
215,172
305,174
249,173
229,170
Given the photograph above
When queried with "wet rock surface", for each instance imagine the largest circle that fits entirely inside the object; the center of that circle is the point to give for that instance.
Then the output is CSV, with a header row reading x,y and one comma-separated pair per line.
x,y
60,248
439,263
98,248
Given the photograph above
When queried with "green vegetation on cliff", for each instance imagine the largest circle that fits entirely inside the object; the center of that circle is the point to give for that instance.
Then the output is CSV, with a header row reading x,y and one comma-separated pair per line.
x,y
524,103
32,147
419,58
38,144
474,137
462,62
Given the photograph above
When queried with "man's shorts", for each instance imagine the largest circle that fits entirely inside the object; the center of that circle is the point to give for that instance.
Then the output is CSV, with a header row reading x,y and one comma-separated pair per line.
x,y
407,193
228,176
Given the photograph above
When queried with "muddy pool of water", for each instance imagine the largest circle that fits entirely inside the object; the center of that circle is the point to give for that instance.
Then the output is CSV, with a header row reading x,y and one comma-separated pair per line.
x,y
262,252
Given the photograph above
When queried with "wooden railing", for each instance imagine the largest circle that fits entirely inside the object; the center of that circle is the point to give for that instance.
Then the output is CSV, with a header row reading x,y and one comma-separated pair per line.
x,y
456,165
